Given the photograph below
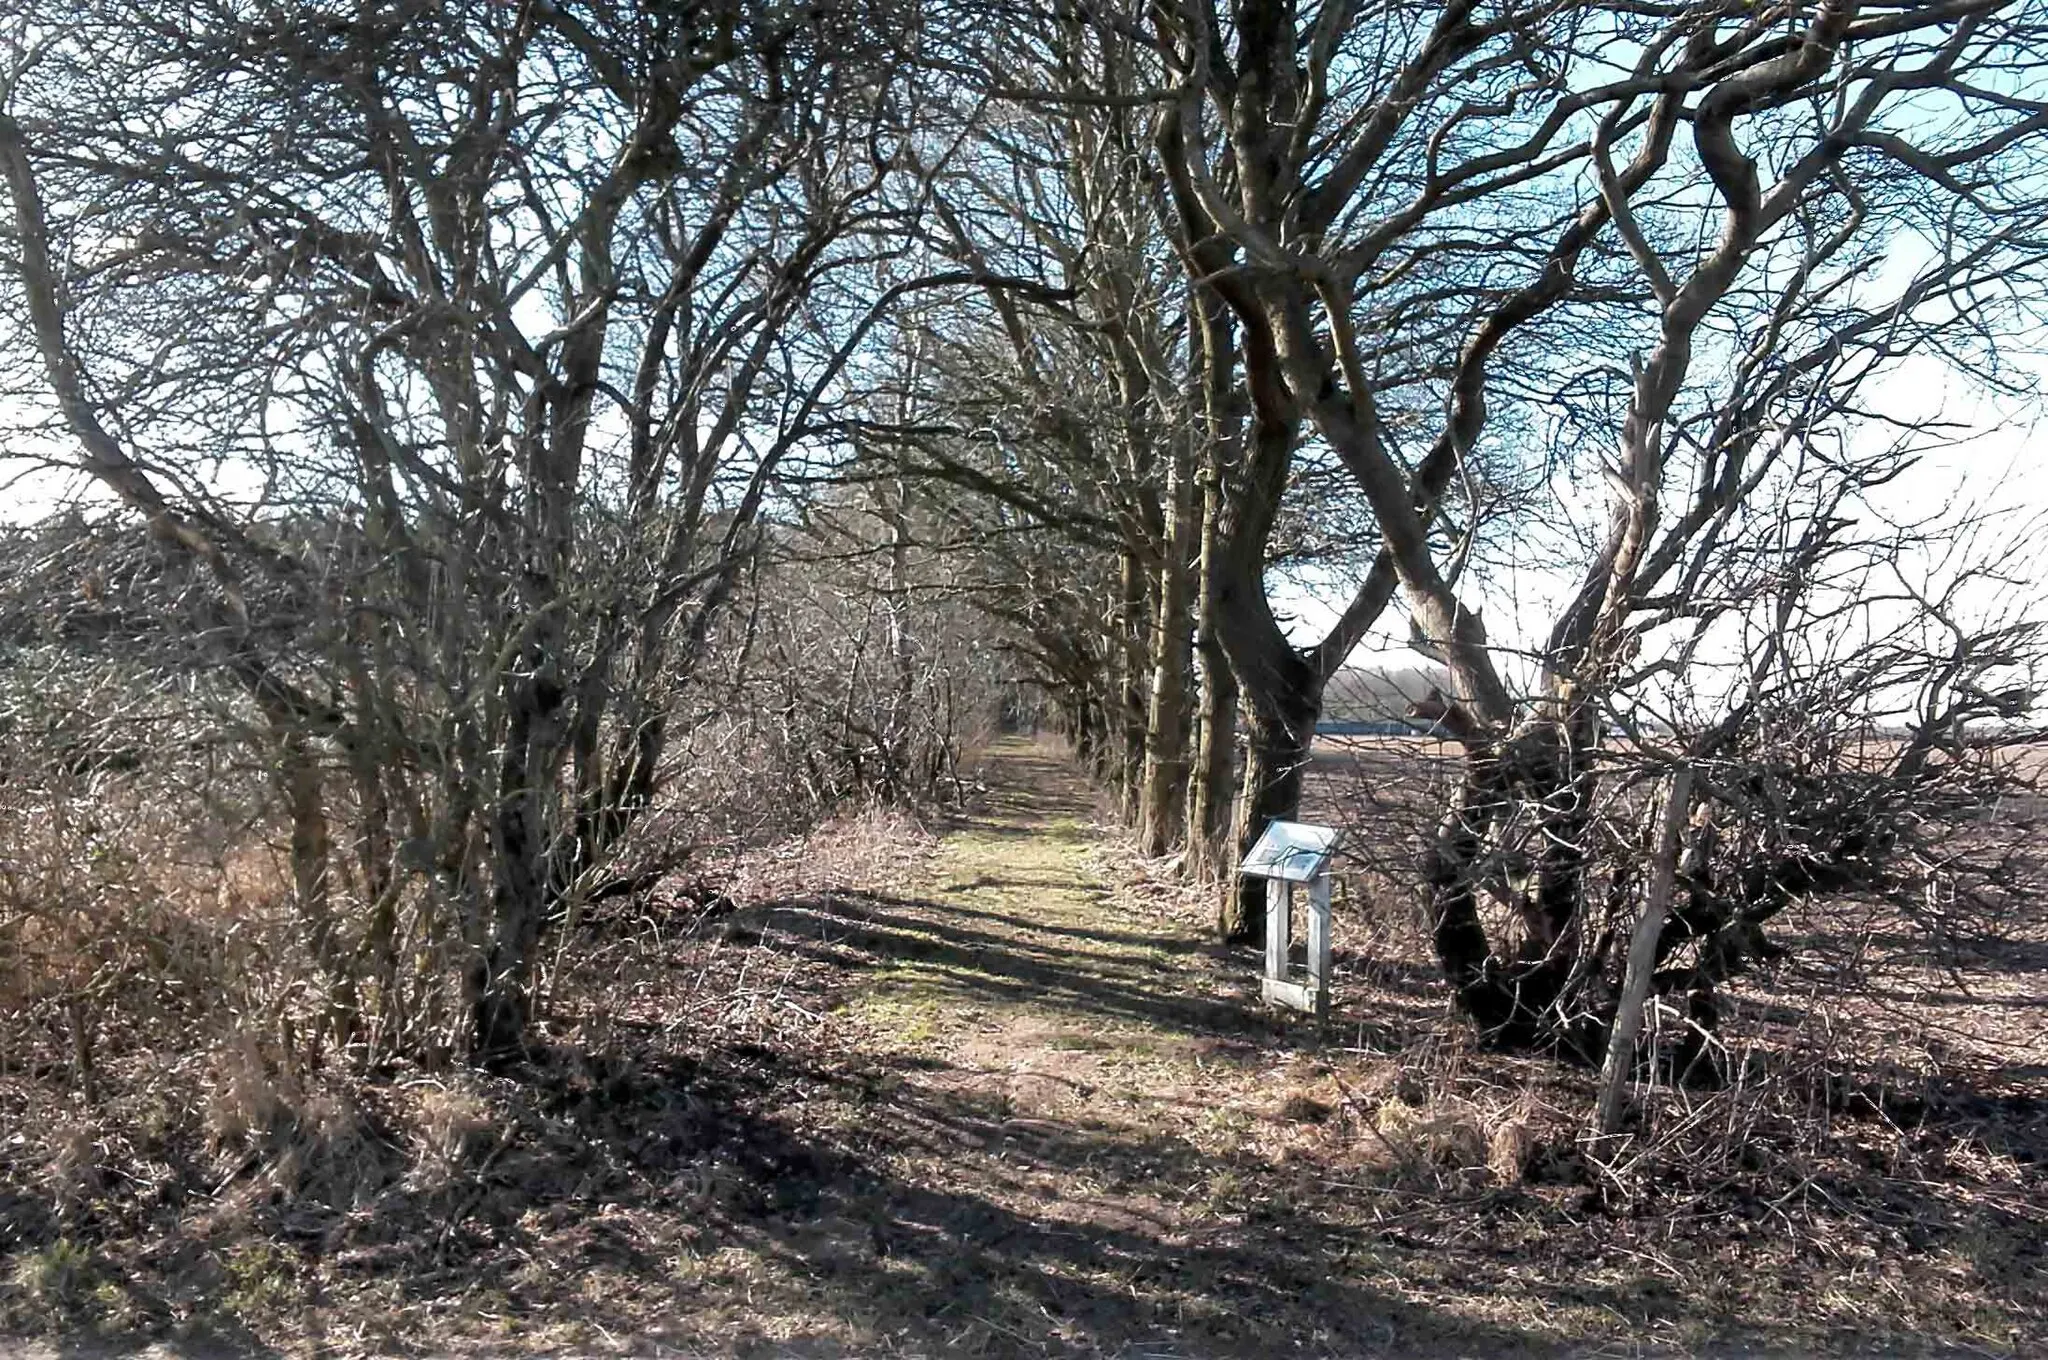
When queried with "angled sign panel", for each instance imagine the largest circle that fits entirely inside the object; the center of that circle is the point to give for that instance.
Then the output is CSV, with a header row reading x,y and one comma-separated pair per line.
x,y
1292,852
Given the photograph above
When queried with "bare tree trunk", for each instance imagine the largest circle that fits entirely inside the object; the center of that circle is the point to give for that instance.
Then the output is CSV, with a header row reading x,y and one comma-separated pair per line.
x,y
1128,680
1166,724
1213,786
1450,869
78,1016
1642,957
501,974
1511,1000
1281,689
378,953
1079,711
1281,725
1567,820
311,851
896,741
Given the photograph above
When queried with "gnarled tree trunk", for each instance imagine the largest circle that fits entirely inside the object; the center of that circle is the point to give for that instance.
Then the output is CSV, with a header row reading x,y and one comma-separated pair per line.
x,y
1283,698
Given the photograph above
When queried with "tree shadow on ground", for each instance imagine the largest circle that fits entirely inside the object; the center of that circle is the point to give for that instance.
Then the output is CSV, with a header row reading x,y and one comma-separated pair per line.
x,y
763,1199
1165,944
933,1222
976,1255
819,1206
751,1200
1197,990
858,931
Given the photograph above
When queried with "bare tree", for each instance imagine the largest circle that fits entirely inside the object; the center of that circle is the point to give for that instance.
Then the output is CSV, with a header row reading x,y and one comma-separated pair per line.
x,y
1785,305
1373,204
460,348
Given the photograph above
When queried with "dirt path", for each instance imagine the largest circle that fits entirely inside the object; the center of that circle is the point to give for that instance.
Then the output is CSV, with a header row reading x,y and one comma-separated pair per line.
x,y
1078,1133
1067,1127
1019,976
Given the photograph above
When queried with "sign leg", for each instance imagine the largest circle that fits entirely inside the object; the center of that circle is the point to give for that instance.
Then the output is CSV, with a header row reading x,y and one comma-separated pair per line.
x,y
1319,943
1279,906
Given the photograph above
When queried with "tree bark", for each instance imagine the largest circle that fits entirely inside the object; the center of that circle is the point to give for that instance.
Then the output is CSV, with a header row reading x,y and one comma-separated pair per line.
x,y
1642,957
1281,722
1128,697
1212,788
1166,724
1450,869
301,780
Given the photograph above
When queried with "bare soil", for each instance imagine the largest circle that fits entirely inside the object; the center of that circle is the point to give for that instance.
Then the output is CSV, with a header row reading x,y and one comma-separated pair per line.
x,y
992,1092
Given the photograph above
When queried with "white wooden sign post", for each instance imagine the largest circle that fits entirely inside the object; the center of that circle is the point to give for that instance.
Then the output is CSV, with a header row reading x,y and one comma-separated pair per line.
x,y
1287,855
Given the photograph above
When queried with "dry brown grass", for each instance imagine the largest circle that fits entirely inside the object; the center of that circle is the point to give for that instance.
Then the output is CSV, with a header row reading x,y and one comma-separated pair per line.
x,y
892,1092
180,1156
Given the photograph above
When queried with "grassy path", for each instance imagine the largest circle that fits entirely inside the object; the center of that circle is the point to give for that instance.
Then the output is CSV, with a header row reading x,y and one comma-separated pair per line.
x,y
1014,959
1085,1131
1077,1132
